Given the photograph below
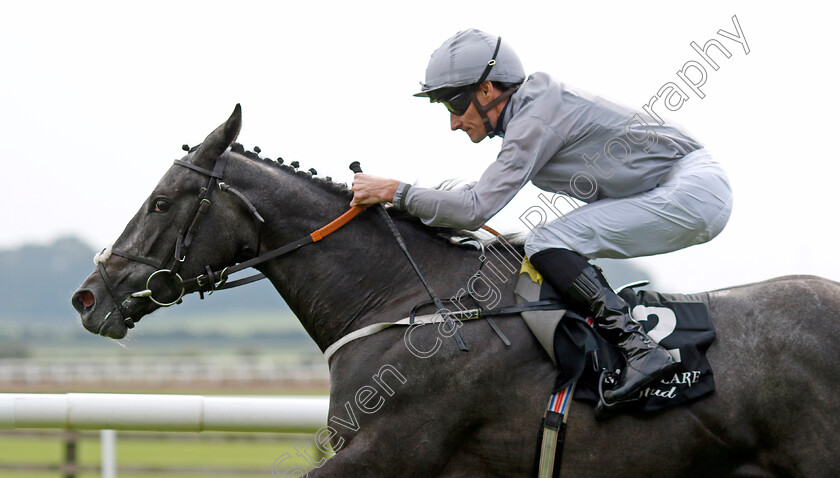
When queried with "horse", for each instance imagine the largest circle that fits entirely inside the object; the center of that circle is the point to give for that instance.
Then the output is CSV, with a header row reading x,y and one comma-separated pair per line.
x,y
408,401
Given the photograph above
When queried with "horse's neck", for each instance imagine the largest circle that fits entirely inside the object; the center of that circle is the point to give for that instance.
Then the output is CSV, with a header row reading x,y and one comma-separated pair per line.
x,y
357,275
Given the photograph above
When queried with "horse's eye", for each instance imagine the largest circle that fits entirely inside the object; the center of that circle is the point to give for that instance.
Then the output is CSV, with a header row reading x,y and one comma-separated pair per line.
x,y
162,205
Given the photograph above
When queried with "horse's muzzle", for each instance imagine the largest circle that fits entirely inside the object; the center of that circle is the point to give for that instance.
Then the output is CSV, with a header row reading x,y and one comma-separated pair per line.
x,y
97,317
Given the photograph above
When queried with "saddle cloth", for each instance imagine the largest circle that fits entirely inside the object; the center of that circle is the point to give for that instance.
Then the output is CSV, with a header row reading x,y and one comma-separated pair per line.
x,y
679,322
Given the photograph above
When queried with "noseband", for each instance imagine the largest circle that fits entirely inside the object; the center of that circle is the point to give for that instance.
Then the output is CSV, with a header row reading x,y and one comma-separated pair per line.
x,y
168,269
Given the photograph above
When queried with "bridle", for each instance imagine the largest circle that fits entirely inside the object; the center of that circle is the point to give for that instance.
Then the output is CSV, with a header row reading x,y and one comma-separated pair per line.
x,y
210,281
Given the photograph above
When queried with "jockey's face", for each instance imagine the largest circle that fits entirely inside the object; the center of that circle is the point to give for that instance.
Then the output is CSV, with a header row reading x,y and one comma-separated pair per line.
x,y
470,122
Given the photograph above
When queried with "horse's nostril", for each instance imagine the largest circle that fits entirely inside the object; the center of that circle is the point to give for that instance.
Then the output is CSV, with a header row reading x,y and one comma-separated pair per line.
x,y
84,300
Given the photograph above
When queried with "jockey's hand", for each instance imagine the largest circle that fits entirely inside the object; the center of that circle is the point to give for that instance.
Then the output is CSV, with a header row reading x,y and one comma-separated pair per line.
x,y
369,189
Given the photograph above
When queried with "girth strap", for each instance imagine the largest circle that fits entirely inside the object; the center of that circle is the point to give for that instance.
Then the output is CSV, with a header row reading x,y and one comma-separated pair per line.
x,y
470,314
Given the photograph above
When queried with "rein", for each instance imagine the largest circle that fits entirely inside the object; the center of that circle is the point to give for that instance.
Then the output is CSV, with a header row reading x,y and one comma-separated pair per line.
x,y
312,238
211,280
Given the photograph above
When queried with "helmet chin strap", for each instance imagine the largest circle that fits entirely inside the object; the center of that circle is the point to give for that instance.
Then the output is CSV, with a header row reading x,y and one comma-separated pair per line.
x,y
483,109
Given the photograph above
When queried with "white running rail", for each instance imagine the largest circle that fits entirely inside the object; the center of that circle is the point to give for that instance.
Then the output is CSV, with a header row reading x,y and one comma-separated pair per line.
x,y
193,413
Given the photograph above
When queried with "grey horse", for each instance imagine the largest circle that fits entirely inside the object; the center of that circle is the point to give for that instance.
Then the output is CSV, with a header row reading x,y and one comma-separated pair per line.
x,y
407,401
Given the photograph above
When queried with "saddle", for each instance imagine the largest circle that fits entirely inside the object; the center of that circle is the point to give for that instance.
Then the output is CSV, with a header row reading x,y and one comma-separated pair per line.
x,y
679,322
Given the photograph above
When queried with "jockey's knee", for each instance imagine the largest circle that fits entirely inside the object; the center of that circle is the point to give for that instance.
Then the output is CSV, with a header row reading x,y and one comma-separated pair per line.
x,y
536,241
711,223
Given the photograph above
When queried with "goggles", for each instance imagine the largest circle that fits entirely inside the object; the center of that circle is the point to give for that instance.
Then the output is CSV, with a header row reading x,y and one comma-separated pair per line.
x,y
459,102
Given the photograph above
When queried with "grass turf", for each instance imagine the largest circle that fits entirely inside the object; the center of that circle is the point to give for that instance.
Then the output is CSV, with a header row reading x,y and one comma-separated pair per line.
x,y
157,452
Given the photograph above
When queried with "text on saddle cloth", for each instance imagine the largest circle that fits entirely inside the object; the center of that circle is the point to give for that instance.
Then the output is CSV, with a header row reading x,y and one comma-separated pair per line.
x,y
679,322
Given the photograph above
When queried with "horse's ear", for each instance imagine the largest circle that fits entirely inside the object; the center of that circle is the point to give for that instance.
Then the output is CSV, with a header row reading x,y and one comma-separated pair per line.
x,y
218,141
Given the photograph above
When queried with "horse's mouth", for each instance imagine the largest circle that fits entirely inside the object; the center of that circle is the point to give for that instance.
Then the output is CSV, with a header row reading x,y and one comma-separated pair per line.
x,y
113,325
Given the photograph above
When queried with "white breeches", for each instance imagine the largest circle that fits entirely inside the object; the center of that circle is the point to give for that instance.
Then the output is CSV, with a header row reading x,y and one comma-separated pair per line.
x,y
690,206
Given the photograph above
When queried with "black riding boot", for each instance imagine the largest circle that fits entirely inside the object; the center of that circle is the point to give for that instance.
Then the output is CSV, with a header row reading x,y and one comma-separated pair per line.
x,y
586,290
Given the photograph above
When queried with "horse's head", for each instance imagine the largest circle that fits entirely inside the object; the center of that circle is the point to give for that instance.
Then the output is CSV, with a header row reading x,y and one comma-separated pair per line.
x,y
143,269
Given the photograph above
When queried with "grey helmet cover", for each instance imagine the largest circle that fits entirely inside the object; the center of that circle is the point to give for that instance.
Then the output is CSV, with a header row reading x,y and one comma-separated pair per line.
x,y
461,59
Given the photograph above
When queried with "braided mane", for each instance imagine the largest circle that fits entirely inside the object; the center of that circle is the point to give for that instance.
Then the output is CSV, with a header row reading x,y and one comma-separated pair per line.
x,y
451,235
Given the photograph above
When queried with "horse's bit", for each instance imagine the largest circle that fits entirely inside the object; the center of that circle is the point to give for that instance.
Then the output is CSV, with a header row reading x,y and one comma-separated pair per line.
x,y
211,280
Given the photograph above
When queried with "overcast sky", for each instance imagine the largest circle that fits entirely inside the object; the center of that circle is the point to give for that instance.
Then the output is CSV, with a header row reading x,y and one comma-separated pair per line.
x,y
97,99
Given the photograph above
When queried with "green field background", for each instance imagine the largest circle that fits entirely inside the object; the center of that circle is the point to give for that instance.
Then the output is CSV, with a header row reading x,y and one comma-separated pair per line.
x,y
223,336
189,451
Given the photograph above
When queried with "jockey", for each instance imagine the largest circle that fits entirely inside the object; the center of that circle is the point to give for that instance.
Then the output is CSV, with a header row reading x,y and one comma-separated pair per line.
x,y
647,188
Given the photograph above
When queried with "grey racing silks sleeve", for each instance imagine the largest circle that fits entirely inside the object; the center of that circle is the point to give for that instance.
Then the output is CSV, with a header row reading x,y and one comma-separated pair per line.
x,y
528,144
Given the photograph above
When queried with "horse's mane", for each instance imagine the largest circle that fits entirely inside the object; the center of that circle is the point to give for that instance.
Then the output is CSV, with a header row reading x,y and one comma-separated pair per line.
x,y
457,237
325,183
